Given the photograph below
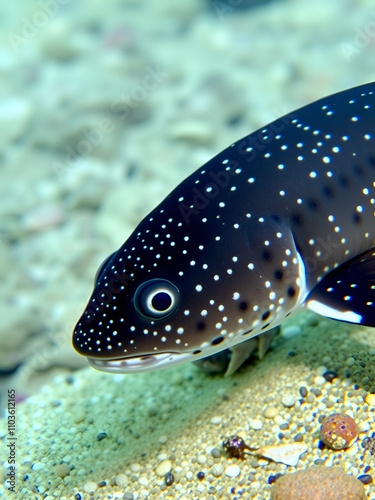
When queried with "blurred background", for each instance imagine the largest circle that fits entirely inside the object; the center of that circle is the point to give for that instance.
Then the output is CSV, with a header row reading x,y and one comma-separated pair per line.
x,y
106,106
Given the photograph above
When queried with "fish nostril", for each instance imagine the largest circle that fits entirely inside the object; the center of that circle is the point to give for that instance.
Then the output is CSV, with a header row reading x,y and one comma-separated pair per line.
x,y
243,305
201,325
278,274
266,255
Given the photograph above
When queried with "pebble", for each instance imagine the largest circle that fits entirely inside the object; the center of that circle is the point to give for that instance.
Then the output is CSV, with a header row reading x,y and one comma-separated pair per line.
x,y
163,468
255,424
135,468
350,362
232,471
319,380
215,452
38,466
270,412
370,399
90,487
290,331
217,470
62,470
288,399
216,420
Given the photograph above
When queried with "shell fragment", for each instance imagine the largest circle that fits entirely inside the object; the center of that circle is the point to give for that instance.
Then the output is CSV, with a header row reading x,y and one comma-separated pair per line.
x,y
287,454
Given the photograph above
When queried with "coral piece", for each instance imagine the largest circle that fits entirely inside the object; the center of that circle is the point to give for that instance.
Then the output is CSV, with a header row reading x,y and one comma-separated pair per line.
x,y
287,454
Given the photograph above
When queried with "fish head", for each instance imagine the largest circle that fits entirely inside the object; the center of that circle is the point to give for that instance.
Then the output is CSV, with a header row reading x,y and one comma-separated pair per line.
x,y
191,280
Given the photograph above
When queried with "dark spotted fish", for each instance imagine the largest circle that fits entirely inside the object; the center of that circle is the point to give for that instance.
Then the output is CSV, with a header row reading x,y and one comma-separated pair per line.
x,y
282,219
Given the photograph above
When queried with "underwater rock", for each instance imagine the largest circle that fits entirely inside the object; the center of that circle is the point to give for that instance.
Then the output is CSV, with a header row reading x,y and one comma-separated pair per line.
x,y
318,483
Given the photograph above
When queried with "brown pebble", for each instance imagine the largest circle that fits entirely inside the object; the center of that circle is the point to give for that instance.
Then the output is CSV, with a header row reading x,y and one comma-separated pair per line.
x,y
318,482
303,391
62,470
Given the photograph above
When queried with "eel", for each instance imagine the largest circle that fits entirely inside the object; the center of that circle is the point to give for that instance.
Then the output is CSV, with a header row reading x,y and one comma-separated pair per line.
x,y
281,220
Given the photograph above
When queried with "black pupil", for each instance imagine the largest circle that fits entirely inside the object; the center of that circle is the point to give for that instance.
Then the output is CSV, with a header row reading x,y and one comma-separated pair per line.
x,y
161,301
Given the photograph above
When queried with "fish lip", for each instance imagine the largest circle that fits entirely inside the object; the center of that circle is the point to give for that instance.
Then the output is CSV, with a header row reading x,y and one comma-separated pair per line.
x,y
133,364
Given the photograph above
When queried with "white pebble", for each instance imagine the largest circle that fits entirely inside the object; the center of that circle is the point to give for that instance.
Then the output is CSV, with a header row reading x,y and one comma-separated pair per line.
x,y
216,420
201,459
290,331
364,426
217,470
37,466
90,487
321,369
135,468
319,380
288,400
255,424
232,471
350,362
163,468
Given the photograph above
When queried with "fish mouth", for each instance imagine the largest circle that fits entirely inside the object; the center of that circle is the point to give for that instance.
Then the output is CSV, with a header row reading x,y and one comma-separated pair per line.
x,y
138,364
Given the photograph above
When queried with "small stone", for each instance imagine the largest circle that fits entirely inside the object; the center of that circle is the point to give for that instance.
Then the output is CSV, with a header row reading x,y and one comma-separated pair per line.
x,y
168,478
101,436
215,452
217,470
135,468
121,480
365,479
62,470
338,431
232,471
303,391
319,380
288,400
255,424
270,412
290,331
163,468
370,399
37,466
329,375
216,420
90,487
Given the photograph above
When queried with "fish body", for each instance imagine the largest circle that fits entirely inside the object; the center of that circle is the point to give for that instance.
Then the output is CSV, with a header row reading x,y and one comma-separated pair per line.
x,y
281,220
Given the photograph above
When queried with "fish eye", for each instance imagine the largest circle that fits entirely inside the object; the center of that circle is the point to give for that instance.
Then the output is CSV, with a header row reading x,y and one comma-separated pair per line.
x,y
156,298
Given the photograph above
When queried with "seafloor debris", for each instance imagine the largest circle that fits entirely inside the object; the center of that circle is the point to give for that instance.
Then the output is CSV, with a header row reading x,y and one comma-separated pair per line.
x,y
338,431
369,444
287,454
